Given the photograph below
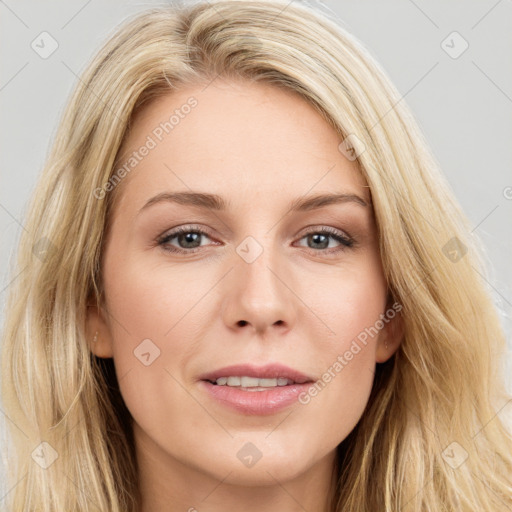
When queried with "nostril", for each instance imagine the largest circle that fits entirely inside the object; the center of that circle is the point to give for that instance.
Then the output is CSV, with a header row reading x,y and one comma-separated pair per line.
x,y
242,322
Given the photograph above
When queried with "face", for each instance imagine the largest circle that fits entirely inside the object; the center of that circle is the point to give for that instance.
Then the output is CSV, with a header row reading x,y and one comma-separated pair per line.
x,y
270,278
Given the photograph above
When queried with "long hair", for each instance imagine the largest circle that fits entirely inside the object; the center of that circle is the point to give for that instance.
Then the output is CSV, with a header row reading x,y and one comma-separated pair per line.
x,y
431,437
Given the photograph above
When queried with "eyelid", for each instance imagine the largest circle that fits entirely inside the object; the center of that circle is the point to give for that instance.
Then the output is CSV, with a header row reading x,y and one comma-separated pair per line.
x,y
185,228
314,228
345,240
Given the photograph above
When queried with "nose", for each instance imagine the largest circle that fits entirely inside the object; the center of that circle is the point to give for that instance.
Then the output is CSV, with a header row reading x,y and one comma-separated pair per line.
x,y
259,295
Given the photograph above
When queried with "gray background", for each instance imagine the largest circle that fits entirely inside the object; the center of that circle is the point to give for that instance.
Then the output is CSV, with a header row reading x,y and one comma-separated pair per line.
x,y
463,104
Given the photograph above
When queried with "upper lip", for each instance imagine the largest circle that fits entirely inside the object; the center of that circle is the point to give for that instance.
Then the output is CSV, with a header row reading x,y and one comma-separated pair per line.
x,y
268,371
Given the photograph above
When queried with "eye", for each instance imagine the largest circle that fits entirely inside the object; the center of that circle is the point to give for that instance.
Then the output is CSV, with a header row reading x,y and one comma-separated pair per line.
x,y
189,238
319,238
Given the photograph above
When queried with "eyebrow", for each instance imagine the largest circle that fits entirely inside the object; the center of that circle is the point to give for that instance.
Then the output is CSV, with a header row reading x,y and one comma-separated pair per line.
x,y
218,203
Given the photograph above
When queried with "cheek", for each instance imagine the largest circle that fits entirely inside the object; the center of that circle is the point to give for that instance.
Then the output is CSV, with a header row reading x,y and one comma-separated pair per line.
x,y
351,307
157,320
170,307
148,325
350,301
145,300
164,302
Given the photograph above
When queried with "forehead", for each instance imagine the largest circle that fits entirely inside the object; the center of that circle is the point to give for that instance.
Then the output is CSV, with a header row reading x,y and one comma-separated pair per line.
x,y
246,141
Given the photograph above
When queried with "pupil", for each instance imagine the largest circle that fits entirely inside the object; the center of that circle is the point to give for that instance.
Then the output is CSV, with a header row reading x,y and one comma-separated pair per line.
x,y
315,238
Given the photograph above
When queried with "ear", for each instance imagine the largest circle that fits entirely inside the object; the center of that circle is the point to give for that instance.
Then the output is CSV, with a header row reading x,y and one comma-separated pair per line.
x,y
391,334
100,343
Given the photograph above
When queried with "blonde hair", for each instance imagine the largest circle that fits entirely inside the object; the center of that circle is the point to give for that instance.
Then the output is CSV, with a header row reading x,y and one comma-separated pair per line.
x,y
436,400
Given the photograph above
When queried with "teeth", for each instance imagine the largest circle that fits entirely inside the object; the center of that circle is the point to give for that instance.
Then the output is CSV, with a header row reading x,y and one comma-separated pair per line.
x,y
253,382
249,382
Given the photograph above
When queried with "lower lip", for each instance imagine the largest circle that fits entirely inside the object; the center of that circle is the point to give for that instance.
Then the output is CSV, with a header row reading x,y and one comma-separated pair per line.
x,y
256,402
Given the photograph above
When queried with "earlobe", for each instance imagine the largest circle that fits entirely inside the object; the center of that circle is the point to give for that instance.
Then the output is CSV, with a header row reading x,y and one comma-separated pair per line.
x,y
97,332
389,339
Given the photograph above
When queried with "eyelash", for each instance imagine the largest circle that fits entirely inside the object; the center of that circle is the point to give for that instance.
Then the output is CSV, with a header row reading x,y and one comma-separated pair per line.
x,y
346,242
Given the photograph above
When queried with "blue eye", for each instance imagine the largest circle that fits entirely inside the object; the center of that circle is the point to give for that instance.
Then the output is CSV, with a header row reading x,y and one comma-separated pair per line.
x,y
187,235
322,236
189,240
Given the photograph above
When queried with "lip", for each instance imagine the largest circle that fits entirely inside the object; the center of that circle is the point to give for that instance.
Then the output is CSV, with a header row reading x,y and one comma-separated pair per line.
x,y
260,403
268,371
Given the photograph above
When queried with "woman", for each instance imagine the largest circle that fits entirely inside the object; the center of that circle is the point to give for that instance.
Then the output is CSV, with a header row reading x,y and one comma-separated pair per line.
x,y
177,340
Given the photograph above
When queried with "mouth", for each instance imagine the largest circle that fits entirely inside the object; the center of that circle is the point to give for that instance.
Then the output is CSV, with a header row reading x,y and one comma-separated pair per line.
x,y
247,383
249,376
256,390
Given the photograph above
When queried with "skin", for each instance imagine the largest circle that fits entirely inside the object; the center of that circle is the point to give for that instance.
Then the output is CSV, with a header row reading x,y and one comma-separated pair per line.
x,y
258,147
